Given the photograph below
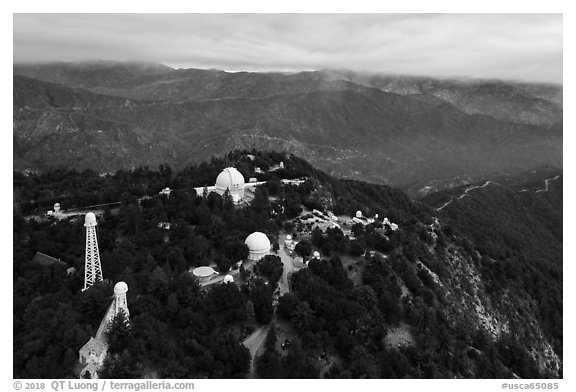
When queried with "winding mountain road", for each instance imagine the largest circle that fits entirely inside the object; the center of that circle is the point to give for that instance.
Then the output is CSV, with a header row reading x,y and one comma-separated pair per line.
x,y
547,183
466,193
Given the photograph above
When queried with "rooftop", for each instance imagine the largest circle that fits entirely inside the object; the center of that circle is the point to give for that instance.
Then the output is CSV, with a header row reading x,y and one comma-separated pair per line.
x,y
44,260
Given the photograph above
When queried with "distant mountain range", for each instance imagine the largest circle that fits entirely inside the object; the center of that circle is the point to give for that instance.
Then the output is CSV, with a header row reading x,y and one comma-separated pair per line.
x,y
411,132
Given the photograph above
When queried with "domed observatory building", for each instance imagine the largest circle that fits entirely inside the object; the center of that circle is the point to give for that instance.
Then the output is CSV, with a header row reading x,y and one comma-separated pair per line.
x,y
258,244
233,180
204,274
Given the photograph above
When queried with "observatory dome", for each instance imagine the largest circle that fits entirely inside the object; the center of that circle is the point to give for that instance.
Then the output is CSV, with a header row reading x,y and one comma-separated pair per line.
x,y
233,180
203,272
258,244
316,255
120,288
228,279
90,219
358,214
288,237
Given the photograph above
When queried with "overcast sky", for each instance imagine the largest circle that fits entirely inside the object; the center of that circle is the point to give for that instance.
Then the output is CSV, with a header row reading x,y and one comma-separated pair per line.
x,y
506,46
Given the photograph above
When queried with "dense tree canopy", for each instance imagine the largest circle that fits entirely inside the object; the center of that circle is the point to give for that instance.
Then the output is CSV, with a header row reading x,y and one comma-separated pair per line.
x,y
341,307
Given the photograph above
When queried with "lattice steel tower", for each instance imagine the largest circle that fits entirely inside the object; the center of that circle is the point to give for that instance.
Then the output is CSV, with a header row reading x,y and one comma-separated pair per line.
x,y
92,268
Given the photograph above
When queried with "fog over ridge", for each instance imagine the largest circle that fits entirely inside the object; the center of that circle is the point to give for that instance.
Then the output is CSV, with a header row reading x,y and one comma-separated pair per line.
x,y
525,47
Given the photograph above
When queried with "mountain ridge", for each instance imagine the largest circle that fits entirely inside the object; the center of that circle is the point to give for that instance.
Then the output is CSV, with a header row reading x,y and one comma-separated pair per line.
x,y
366,132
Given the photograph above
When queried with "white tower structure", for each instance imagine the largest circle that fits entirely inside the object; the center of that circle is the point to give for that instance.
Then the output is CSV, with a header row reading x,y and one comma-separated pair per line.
x,y
120,299
92,268
93,353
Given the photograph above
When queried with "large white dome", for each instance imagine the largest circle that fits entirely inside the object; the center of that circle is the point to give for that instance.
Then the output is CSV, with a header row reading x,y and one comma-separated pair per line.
x,y
231,179
258,244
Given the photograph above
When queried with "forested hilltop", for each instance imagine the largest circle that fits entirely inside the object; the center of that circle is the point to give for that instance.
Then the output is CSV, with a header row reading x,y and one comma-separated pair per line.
x,y
410,292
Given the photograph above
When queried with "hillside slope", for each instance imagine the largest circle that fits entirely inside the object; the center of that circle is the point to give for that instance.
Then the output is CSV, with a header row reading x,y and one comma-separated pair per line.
x,y
515,223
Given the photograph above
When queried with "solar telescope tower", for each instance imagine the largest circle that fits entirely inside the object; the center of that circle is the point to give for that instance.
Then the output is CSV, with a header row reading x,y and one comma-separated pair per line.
x,y
92,267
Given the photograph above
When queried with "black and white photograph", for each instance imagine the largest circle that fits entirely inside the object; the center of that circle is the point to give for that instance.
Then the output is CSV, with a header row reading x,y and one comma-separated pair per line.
x,y
287,196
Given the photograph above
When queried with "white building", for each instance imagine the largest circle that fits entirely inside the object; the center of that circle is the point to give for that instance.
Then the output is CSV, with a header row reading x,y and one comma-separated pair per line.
x,y
56,212
164,225
166,191
233,180
289,243
258,245
204,274
393,226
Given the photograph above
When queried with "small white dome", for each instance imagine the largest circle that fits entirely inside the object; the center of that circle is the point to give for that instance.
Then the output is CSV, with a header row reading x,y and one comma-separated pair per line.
x,y
358,214
202,272
231,179
288,237
120,288
376,216
258,242
228,279
90,219
316,254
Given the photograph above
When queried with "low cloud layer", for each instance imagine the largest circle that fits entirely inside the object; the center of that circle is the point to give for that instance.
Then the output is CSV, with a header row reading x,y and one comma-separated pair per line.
x,y
506,46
